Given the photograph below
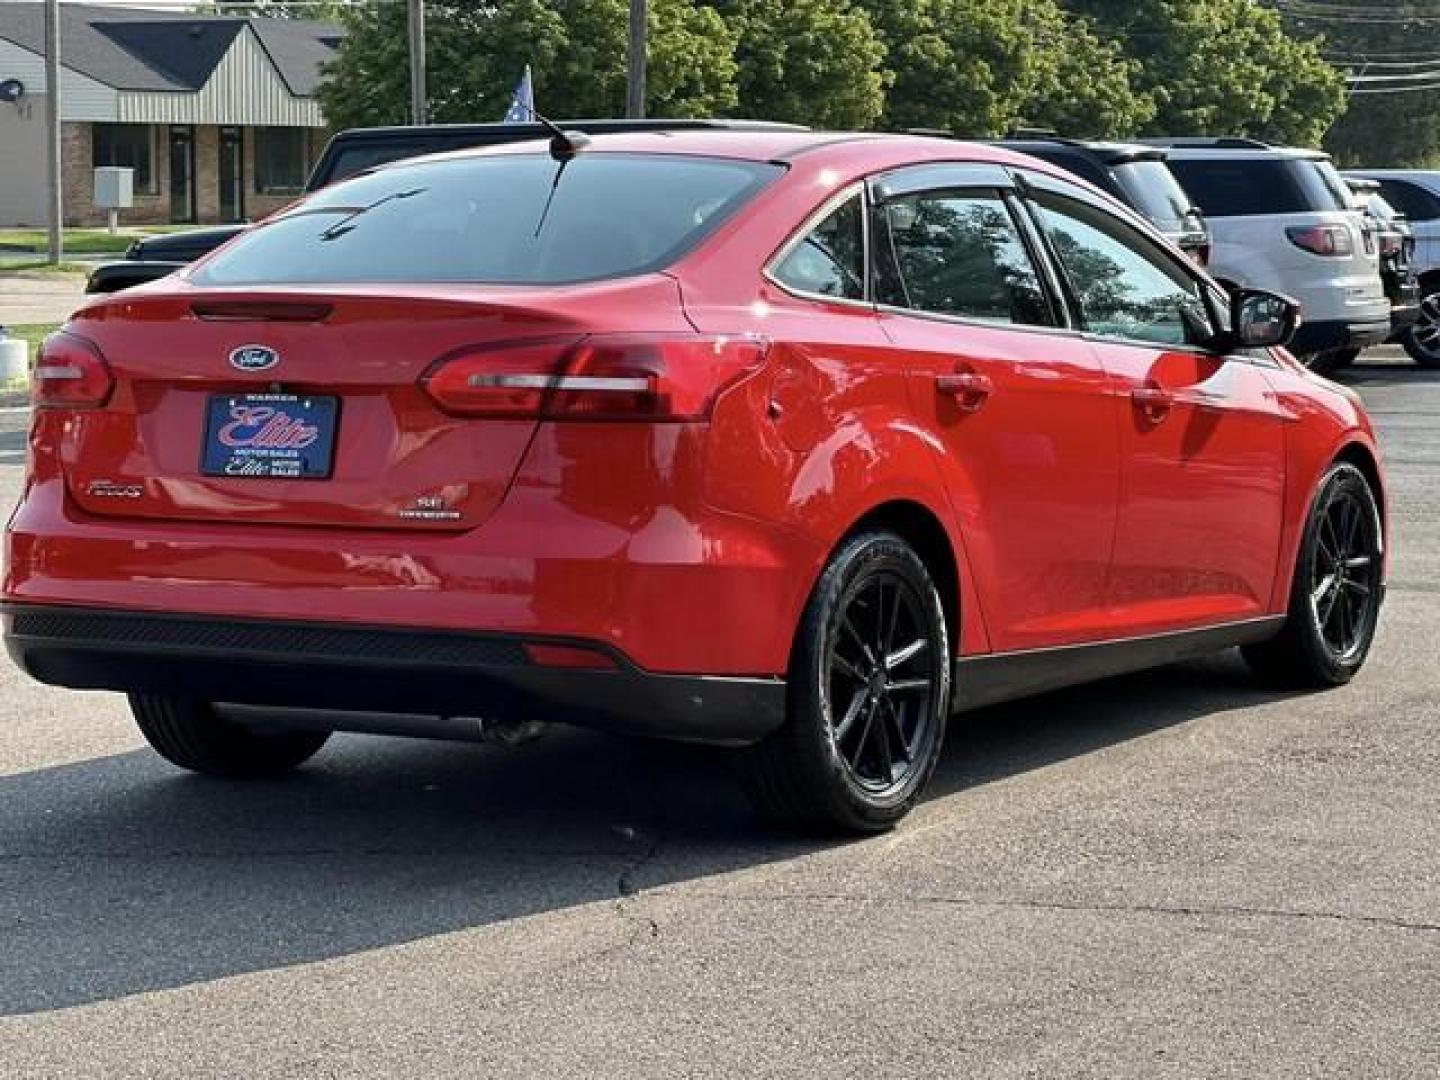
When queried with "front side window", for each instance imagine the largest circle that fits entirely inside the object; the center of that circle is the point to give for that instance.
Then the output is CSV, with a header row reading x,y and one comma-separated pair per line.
x,y
130,146
502,218
279,161
959,253
1123,287
830,259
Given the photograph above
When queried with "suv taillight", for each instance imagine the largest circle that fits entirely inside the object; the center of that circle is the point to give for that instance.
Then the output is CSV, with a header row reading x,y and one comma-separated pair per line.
x,y
1323,240
658,377
70,373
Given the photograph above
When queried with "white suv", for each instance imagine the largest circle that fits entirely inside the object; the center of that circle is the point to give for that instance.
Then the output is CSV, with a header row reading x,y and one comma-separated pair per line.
x,y
1416,194
1283,219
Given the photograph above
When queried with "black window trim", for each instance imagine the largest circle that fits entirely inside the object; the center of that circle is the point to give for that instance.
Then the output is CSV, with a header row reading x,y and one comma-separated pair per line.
x,y
770,271
980,178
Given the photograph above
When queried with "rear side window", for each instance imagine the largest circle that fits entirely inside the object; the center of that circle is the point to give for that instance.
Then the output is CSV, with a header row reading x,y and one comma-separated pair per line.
x,y
503,219
958,253
829,260
1243,187
1412,200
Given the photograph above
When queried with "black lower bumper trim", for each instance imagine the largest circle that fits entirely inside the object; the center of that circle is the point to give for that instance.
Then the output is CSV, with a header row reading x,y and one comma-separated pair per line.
x,y
376,669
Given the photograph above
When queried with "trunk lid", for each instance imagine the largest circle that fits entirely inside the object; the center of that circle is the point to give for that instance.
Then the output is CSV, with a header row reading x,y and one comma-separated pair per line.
x,y
398,460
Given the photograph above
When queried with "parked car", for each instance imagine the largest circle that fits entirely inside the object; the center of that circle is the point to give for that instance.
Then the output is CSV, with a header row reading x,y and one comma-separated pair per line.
x,y
786,441
355,150
1395,244
1415,193
1282,219
1134,174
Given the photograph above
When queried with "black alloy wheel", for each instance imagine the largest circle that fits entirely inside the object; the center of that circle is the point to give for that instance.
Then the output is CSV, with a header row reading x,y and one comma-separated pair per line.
x,y
1337,590
1345,571
868,695
1421,338
881,682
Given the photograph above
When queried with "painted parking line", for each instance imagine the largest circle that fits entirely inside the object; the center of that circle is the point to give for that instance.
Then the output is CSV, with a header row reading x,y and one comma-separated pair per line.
x,y
13,410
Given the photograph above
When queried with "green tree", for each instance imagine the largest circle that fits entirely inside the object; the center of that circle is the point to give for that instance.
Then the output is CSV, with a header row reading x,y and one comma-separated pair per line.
x,y
1223,67
980,67
576,50
817,62
1391,119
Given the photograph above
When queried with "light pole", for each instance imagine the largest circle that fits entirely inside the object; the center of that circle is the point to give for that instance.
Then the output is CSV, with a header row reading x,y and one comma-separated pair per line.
x,y
419,105
635,83
55,198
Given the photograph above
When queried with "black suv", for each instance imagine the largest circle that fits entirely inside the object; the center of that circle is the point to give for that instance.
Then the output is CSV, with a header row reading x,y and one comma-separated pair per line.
x,y
358,149
1136,175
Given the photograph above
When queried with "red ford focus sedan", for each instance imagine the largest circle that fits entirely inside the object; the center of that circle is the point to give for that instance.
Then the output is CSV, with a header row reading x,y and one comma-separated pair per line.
x,y
793,442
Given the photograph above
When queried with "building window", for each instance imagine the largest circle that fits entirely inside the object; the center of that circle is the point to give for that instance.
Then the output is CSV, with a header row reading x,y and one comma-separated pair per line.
x,y
279,161
128,145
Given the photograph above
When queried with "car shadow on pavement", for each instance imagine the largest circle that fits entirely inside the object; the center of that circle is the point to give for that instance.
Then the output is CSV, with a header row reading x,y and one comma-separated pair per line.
x,y
120,875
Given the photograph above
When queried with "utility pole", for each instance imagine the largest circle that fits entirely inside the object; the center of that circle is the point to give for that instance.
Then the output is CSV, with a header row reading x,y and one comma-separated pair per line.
x,y
55,198
419,99
635,84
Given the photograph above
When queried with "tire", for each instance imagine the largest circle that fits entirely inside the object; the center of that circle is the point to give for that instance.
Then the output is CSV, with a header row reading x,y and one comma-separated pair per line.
x,y
1336,593
1421,339
852,721
192,735
1327,363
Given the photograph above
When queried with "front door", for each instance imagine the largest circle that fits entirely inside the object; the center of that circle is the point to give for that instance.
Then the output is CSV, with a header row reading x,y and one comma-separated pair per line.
x,y
182,174
1027,418
1202,437
232,172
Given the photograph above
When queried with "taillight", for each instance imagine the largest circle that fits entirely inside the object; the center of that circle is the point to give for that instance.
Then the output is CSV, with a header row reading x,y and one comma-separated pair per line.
x,y
659,377
70,373
1390,245
1323,239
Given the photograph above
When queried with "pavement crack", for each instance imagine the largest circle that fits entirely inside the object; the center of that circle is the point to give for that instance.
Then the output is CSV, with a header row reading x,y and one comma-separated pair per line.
x,y
1180,910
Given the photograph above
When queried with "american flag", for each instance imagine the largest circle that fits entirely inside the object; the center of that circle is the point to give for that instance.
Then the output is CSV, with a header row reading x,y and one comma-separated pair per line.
x,y
522,102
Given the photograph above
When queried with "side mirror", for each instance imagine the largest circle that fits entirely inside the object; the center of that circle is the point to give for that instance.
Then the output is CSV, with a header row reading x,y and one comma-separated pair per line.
x,y
1262,319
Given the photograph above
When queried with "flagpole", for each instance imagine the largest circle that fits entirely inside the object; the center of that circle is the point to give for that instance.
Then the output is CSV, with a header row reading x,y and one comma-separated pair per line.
x,y
419,104
635,84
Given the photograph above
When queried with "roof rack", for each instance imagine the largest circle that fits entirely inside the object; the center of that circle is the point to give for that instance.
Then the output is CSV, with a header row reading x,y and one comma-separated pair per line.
x,y
1217,142
1049,134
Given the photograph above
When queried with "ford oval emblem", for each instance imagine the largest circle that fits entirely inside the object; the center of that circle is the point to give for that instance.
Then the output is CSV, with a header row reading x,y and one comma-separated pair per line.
x,y
254,358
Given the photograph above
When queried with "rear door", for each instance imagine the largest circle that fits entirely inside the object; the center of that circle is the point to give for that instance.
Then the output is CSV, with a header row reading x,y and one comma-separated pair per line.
x,y
1023,410
1202,437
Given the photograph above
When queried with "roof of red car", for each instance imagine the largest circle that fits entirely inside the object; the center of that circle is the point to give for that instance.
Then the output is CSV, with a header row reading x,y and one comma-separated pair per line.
x,y
771,145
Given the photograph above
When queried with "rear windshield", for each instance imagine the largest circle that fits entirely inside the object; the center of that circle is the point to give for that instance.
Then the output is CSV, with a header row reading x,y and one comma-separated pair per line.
x,y
506,219
1152,189
1240,187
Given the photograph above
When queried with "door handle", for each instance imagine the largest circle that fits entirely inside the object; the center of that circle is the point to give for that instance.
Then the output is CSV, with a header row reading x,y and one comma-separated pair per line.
x,y
970,389
1153,402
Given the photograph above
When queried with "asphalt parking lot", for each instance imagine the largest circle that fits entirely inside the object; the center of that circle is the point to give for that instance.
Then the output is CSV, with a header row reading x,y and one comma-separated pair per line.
x,y
1169,875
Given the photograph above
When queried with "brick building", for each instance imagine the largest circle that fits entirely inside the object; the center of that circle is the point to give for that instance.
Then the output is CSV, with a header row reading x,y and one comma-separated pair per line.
x,y
217,116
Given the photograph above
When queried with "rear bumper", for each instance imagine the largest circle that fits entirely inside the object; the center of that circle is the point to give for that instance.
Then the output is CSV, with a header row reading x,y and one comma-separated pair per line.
x,y
378,669
1323,336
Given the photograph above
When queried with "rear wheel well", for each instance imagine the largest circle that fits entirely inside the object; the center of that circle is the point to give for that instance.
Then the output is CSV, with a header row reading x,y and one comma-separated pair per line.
x,y
922,530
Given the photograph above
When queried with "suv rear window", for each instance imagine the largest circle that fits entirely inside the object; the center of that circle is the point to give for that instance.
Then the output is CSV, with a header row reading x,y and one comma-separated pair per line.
x,y
1245,187
504,219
